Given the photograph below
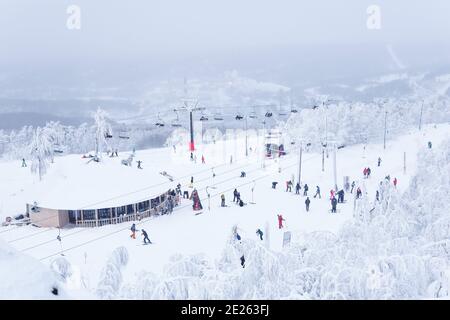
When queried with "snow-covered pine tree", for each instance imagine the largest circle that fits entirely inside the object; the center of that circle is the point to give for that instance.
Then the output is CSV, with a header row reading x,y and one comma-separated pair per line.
x,y
41,151
103,131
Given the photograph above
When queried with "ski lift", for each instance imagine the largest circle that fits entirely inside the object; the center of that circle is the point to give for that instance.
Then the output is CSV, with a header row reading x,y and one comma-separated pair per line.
x,y
108,135
294,110
268,114
204,118
159,123
239,117
315,107
218,117
282,113
176,123
252,115
123,135
58,151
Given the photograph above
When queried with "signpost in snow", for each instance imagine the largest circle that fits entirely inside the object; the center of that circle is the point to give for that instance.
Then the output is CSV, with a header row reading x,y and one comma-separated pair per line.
x,y
286,239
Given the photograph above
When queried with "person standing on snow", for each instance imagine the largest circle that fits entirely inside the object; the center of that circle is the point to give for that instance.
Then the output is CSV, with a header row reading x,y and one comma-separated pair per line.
x,y
203,159
289,186
353,185
238,197
358,193
305,190
307,202
297,188
333,205
133,231
341,196
317,193
395,182
222,197
145,236
377,195
24,164
260,233
235,193
280,221
243,261
368,172
429,145
379,161
139,164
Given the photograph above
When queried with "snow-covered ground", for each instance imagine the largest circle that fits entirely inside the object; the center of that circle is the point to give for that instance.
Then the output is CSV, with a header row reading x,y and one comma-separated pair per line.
x,y
183,232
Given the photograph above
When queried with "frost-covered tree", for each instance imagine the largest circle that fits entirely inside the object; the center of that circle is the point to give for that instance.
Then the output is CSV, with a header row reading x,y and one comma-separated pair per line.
x,y
103,131
111,277
41,152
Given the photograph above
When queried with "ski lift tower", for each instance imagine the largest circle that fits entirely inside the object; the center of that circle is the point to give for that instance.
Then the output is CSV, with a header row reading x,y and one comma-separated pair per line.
x,y
190,105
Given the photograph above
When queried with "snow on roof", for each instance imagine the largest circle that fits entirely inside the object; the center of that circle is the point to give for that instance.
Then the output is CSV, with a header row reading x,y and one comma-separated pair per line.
x,y
71,183
23,277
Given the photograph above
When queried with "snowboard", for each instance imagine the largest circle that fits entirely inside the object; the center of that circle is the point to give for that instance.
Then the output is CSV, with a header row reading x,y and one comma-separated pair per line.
x,y
199,213
144,244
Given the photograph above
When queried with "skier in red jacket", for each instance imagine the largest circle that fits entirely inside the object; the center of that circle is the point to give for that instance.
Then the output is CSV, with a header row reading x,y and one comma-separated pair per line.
x,y
280,221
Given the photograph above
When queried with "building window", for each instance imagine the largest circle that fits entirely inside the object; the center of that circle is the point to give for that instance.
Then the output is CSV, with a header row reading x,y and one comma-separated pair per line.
x,y
143,206
130,208
121,210
103,213
88,214
155,202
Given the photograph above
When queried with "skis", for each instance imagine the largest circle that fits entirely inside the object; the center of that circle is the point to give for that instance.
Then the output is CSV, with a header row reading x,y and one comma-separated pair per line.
x,y
199,213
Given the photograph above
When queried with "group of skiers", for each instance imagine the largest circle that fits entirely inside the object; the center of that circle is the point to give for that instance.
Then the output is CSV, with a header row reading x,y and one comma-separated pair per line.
x,y
194,158
366,172
143,233
236,198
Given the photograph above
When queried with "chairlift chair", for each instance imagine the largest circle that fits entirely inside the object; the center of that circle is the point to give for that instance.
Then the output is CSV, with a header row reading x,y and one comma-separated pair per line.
x,y
268,114
239,117
218,117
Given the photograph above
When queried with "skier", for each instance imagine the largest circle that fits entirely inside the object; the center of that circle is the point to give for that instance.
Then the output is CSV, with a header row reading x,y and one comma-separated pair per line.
x,y
192,180
429,145
179,189
353,185
365,172
280,221
395,182
260,233
192,156
358,193
139,164
243,261
24,164
305,190
297,188
307,202
341,196
203,159
243,174
274,184
145,236
238,198
377,195
333,205
331,194
222,197
186,194
318,192
133,231
238,237
379,161
368,172
288,186
235,193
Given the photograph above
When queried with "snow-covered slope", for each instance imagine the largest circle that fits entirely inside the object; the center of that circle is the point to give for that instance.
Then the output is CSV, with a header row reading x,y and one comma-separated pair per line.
x,y
195,256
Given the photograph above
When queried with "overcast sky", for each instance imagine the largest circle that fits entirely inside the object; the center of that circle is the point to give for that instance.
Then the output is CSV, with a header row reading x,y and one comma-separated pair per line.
x,y
33,34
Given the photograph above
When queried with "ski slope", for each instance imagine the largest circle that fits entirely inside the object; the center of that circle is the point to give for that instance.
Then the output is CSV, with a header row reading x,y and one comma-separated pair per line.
x,y
183,232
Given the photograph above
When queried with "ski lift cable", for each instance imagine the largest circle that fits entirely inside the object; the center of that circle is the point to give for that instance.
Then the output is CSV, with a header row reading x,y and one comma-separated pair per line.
x,y
145,221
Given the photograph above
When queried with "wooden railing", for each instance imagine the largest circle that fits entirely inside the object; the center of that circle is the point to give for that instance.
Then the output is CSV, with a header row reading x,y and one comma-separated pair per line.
x,y
122,218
